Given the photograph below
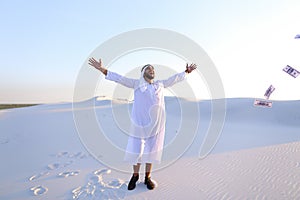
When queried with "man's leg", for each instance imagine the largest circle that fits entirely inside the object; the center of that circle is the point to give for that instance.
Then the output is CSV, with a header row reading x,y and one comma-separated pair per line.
x,y
148,182
135,176
136,169
148,169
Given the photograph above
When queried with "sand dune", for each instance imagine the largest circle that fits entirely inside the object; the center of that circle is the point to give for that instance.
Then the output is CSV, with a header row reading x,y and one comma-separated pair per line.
x,y
256,157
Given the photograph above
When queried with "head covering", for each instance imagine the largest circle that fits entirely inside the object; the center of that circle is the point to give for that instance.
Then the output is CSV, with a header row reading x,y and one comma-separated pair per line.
x,y
143,83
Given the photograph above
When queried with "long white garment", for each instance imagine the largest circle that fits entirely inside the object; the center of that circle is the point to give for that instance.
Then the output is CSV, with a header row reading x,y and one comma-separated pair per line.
x,y
145,143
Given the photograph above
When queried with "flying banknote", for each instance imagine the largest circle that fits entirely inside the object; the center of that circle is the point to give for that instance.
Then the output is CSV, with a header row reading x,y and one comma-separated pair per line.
x,y
269,91
291,71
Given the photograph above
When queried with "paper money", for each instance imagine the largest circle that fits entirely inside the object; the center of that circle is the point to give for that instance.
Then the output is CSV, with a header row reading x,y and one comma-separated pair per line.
x,y
263,103
291,71
269,91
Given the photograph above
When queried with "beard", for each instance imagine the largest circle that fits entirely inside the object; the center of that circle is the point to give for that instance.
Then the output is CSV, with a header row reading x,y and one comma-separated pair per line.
x,y
149,76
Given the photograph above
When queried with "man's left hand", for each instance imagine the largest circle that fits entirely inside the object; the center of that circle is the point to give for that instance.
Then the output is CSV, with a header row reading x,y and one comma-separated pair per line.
x,y
190,68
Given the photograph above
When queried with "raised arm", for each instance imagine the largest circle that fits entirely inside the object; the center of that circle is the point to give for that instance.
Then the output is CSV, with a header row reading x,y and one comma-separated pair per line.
x,y
98,65
112,76
180,76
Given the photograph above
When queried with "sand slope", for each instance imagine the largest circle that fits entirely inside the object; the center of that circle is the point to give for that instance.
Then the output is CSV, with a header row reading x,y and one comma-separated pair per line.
x,y
257,156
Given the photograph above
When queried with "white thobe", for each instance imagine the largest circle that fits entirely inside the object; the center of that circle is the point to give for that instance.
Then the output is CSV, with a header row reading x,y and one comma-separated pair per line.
x,y
145,143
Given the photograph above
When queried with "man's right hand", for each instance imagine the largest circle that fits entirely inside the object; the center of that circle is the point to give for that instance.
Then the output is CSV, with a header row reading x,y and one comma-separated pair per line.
x,y
98,65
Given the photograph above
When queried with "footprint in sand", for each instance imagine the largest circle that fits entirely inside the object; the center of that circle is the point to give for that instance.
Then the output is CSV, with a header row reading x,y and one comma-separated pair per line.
x,y
66,154
61,154
68,163
102,171
53,166
79,155
68,173
38,190
39,175
4,140
98,188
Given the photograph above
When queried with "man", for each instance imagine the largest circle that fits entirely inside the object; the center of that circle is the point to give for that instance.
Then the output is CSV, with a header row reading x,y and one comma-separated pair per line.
x,y
145,143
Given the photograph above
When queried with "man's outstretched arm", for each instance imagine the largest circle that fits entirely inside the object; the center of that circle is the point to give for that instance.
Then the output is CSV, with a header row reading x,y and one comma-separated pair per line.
x,y
179,77
112,76
98,65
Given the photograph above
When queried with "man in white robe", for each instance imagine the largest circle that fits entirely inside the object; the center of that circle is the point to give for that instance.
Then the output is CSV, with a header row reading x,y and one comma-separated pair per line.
x,y
145,143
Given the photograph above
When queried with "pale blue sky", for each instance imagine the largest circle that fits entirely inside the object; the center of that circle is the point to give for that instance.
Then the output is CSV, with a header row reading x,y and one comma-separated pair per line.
x,y
44,43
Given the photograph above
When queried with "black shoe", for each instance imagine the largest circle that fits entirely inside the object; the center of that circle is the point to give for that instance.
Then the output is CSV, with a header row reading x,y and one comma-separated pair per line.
x,y
132,182
149,183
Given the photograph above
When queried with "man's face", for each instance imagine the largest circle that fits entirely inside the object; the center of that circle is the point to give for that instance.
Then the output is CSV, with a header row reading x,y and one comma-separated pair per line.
x,y
149,73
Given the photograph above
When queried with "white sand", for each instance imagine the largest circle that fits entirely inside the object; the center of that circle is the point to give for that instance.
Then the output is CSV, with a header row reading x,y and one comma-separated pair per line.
x,y
257,156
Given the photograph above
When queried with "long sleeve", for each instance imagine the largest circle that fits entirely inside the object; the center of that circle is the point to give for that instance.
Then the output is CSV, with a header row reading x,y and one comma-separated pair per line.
x,y
174,79
128,82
